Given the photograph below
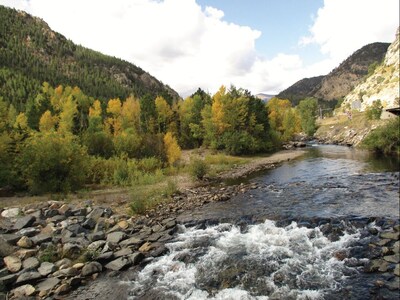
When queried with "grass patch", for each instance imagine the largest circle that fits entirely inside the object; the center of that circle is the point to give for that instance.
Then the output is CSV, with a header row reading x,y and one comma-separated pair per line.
x,y
146,197
221,162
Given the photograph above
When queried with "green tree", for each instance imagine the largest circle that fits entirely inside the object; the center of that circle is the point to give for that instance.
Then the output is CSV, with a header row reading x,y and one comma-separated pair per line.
x,y
307,109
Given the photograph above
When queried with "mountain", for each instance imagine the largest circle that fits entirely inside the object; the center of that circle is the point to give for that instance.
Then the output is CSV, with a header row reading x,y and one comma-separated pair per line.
x,y
341,80
301,89
264,97
31,53
382,84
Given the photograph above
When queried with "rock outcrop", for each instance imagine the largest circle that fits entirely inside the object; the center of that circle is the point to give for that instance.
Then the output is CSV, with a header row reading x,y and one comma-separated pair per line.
x,y
382,85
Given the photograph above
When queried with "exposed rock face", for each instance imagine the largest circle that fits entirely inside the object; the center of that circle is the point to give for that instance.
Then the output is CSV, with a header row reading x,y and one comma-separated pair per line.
x,y
382,85
341,80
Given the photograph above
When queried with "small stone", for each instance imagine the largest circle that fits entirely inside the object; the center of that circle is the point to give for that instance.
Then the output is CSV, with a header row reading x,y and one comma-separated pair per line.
x,y
46,268
11,212
89,223
13,263
63,289
106,256
383,267
115,237
96,245
136,258
48,284
78,266
118,264
96,213
68,272
50,213
41,238
96,236
25,242
390,235
28,277
146,247
5,248
123,224
397,270
25,253
65,210
76,229
23,291
23,222
8,279
65,262
131,242
30,263
11,239
393,284
28,232
123,252
91,268
392,258
71,250
382,242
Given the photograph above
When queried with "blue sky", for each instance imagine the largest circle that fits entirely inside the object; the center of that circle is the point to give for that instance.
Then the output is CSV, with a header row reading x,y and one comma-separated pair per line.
x,y
261,45
281,22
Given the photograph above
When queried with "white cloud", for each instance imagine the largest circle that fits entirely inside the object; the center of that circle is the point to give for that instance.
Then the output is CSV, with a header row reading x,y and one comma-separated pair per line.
x,y
187,46
343,26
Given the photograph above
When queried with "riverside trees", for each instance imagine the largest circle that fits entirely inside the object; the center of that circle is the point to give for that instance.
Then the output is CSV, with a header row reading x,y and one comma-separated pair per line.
x,y
65,139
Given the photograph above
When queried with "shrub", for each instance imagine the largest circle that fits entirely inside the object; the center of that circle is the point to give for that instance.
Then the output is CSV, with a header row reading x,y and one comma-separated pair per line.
x,y
198,168
385,139
51,162
374,111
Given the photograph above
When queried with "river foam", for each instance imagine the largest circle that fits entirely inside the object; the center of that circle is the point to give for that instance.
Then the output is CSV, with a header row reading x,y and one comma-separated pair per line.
x,y
260,261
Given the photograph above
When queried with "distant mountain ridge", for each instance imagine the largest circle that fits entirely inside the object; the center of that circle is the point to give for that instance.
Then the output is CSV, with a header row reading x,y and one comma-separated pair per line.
x,y
341,80
31,53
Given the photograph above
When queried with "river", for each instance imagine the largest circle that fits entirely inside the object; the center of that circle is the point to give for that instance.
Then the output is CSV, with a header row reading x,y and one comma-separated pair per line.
x,y
302,232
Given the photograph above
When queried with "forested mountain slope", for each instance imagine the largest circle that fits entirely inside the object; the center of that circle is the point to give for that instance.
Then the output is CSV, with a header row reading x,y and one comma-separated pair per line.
x,y
31,53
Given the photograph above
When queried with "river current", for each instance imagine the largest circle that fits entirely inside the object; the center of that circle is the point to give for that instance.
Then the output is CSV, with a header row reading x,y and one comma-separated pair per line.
x,y
298,235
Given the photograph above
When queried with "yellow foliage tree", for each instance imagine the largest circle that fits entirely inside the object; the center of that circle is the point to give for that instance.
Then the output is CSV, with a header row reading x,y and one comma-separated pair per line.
x,y
114,122
95,109
172,148
164,113
47,122
131,114
68,112
217,111
21,122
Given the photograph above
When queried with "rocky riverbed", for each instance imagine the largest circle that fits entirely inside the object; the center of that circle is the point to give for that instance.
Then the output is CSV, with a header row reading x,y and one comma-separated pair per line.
x,y
60,250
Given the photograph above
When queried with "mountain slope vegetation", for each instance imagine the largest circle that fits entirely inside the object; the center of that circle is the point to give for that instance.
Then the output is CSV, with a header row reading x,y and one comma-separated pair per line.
x,y
31,53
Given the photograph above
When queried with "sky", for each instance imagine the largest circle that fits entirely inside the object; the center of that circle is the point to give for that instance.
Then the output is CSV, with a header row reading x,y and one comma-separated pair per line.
x,y
260,45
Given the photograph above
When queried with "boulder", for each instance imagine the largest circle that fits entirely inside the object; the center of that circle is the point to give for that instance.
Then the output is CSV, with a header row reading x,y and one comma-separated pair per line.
x,y
136,258
91,268
8,279
123,252
63,289
11,212
13,263
41,238
25,242
133,241
28,277
48,284
72,251
30,263
115,237
5,248
29,232
23,222
46,268
119,264
23,291
96,236
11,239
95,214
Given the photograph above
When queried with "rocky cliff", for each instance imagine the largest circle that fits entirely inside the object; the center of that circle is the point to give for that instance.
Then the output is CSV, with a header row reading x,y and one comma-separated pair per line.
x,y
341,80
382,85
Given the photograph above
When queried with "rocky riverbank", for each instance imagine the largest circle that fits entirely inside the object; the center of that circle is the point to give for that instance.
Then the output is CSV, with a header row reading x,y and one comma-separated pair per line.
x,y
56,250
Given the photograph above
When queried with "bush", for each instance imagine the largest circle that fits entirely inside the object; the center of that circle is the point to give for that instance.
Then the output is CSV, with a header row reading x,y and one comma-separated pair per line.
x,y
385,139
51,162
198,168
374,111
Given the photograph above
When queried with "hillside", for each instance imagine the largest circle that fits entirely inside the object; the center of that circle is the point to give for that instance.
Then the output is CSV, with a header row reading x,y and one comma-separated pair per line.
x,y
31,53
382,85
341,80
301,89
